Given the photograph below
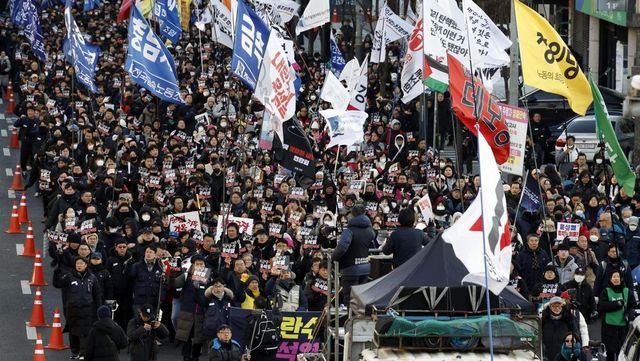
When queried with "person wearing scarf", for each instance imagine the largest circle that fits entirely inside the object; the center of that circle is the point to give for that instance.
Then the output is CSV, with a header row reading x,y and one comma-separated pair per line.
x,y
571,349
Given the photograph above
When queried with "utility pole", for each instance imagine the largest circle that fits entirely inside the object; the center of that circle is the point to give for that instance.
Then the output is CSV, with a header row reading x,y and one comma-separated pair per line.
x,y
514,83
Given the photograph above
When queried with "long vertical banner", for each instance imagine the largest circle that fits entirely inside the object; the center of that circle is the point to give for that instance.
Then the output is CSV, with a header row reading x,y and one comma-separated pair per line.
x,y
296,331
517,121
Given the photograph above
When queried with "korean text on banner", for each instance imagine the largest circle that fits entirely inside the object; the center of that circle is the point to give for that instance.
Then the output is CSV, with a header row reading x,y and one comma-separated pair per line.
x,y
547,62
517,121
186,222
245,225
250,43
571,230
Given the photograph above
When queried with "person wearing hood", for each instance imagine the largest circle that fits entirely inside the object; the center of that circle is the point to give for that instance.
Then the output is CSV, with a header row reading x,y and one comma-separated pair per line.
x,y
557,321
352,251
82,297
549,287
405,241
442,215
68,198
614,304
565,263
281,287
329,196
144,241
613,263
398,151
118,265
531,262
111,233
571,349
262,246
219,299
247,297
326,230
105,339
581,294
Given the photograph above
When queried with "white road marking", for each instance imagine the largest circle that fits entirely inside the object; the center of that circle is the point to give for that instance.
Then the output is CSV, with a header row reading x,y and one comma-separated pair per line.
x,y
3,132
1,115
19,248
26,289
11,194
31,333
9,172
6,152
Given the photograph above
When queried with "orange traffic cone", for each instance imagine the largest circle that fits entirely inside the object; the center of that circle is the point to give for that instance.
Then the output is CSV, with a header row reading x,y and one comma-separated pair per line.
x,y
334,17
37,312
12,105
23,213
8,92
37,279
14,223
56,341
16,185
29,244
14,143
38,354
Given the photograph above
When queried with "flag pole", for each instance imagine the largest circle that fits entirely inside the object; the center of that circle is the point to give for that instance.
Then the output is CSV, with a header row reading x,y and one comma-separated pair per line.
x,y
484,233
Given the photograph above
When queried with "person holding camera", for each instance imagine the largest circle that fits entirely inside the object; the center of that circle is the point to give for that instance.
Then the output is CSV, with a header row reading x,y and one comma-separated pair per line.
x,y
105,339
142,332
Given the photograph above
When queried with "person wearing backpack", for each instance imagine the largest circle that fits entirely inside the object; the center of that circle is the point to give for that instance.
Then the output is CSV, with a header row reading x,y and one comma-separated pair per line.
x,y
105,339
262,334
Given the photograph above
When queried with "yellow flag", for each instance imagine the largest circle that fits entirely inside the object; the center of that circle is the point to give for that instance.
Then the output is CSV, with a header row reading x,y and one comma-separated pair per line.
x,y
185,14
547,62
145,8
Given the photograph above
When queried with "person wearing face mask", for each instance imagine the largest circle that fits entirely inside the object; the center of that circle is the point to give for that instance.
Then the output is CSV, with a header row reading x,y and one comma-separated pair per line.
x,y
441,213
67,199
613,263
632,244
405,241
587,259
581,294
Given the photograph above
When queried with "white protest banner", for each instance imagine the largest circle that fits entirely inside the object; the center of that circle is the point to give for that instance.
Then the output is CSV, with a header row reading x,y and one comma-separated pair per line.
x,y
517,122
359,90
571,230
411,75
334,92
245,225
487,41
444,31
281,10
350,73
391,27
223,28
315,14
186,222
424,204
275,88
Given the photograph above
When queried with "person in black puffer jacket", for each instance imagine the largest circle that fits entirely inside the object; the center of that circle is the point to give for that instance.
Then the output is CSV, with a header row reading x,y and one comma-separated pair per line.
x,y
352,251
405,241
105,339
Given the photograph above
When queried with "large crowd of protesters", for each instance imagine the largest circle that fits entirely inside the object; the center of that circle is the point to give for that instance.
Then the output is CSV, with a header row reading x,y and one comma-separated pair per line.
x,y
111,167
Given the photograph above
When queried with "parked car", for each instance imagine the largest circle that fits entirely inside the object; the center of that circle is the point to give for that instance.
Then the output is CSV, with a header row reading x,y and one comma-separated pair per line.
x,y
583,128
554,109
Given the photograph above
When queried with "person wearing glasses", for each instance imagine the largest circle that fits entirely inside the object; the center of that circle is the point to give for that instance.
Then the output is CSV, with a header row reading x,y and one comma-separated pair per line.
x,y
224,348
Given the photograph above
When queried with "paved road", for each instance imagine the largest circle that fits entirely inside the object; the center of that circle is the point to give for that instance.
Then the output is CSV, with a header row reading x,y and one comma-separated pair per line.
x,y
16,297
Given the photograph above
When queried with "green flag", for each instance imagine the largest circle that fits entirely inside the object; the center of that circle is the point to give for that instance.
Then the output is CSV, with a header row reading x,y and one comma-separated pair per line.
x,y
626,178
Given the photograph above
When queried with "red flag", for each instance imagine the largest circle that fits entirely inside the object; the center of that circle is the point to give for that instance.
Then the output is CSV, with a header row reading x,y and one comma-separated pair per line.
x,y
489,114
125,8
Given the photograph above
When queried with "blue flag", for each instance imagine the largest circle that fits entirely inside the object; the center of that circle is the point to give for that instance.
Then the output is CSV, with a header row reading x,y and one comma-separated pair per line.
x,y
337,60
531,195
25,15
249,45
79,53
166,11
90,5
149,63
